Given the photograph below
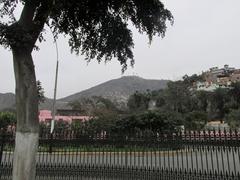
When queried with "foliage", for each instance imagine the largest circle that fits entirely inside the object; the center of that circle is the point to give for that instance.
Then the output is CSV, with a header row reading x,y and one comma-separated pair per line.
x,y
233,118
235,92
94,106
202,100
178,96
195,120
102,110
43,125
190,80
100,124
7,119
138,101
97,29
60,124
160,97
102,104
77,105
155,121
176,105
40,90
77,125
197,107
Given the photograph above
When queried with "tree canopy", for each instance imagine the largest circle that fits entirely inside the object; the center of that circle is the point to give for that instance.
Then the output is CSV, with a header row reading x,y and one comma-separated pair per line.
x,y
195,107
96,29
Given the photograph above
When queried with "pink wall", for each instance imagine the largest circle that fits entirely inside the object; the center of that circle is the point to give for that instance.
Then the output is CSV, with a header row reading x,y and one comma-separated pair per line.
x,y
45,115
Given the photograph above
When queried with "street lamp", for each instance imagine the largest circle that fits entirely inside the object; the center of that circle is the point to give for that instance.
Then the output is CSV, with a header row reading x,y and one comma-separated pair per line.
x,y
55,88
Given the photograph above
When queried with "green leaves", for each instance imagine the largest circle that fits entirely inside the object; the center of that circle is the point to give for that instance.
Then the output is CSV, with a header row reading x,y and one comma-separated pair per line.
x,y
97,29
40,91
156,121
138,101
195,120
233,118
7,119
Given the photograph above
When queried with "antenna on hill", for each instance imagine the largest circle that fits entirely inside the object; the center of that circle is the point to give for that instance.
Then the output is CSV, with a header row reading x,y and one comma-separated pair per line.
x,y
55,88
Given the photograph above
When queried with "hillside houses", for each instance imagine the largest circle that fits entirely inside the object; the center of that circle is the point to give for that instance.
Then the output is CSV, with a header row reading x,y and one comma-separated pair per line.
x,y
218,78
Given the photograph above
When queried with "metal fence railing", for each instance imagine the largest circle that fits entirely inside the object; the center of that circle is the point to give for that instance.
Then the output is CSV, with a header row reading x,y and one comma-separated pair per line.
x,y
73,155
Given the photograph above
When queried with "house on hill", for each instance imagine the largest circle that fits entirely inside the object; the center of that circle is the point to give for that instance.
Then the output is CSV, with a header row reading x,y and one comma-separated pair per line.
x,y
218,78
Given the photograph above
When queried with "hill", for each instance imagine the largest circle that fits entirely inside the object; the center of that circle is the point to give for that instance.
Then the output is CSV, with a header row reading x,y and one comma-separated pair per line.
x,y
7,100
116,90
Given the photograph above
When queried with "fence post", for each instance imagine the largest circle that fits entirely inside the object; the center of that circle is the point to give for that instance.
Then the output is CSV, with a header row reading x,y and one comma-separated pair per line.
x,y
1,145
51,143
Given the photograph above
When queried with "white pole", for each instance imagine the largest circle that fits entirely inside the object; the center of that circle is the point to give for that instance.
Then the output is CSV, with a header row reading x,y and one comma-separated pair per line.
x,y
55,91
54,100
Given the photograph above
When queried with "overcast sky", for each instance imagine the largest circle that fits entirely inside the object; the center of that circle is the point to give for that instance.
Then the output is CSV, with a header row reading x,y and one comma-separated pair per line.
x,y
205,34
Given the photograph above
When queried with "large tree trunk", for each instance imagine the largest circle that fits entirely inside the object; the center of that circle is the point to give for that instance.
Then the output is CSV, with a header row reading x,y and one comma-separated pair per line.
x,y
24,164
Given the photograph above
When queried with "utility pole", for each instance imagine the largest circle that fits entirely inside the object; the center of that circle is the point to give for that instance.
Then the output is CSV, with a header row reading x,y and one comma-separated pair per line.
x,y
55,89
54,99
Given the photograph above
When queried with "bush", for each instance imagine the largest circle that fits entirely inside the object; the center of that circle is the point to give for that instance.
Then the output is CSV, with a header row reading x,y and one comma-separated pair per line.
x,y
195,120
7,119
233,118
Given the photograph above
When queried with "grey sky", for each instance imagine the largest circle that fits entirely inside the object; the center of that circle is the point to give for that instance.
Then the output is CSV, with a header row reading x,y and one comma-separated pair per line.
x,y
205,34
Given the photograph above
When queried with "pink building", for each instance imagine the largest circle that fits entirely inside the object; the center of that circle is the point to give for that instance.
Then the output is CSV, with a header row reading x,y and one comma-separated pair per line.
x,y
46,116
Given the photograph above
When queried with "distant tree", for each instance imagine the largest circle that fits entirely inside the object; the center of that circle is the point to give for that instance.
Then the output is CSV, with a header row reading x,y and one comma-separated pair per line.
x,y
77,105
128,124
190,80
233,118
160,97
104,103
178,97
218,100
61,125
102,111
202,100
97,29
94,106
101,124
234,92
40,92
7,119
43,125
139,101
196,107
155,121
77,125
104,114
195,120
162,121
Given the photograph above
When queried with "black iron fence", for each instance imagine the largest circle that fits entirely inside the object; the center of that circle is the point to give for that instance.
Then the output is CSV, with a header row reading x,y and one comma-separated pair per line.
x,y
74,155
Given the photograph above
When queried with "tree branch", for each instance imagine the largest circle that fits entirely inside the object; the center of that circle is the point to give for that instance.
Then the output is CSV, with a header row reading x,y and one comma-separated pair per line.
x,y
26,18
40,17
3,34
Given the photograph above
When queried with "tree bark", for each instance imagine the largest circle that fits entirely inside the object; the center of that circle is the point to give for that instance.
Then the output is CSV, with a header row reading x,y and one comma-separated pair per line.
x,y
26,142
